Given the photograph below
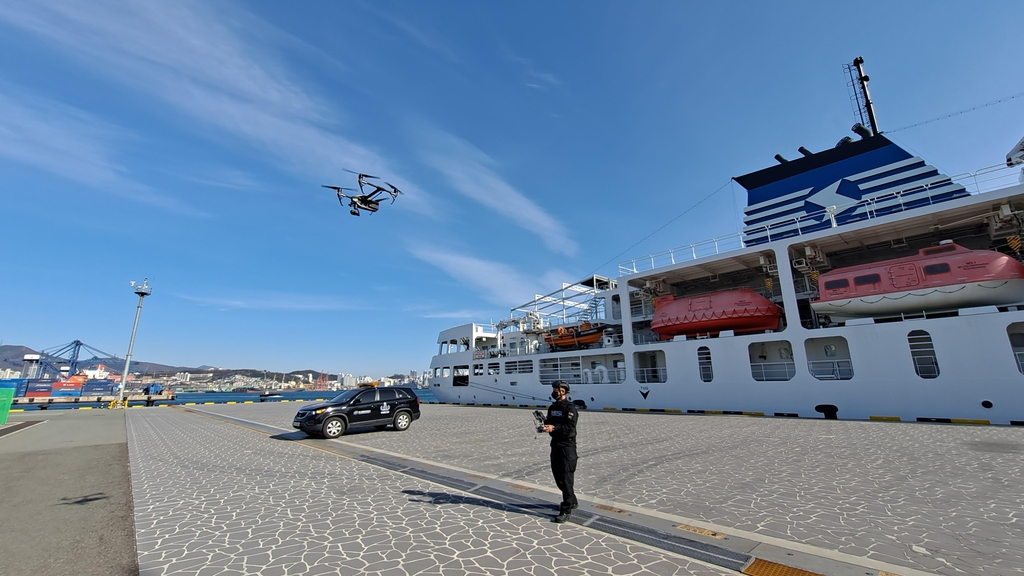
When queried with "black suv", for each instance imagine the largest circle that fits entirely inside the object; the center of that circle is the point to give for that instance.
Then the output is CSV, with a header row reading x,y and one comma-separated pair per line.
x,y
359,408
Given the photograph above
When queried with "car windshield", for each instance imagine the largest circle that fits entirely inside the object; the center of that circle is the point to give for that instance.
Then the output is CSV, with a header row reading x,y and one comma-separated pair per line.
x,y
346,395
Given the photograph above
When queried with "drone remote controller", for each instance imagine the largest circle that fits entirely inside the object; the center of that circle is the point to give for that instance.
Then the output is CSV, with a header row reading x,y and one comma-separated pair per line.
x,y
539,417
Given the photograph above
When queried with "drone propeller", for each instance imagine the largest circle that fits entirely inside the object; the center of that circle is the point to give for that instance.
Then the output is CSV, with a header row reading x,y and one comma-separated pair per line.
x,y
359,174
395,188
338,188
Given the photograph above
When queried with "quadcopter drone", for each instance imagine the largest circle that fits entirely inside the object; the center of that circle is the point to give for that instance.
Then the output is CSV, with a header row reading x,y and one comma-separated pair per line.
x,y
368,201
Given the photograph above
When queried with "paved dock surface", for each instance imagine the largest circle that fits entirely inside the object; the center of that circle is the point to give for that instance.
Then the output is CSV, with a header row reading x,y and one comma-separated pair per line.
x,y
233,489
66,495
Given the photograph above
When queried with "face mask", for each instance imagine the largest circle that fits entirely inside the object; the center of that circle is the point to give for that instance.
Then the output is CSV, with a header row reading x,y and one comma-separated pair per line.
x,y
554,395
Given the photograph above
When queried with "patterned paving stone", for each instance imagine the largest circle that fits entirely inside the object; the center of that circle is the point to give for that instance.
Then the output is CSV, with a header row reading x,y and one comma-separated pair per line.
x,y
216,499
941,498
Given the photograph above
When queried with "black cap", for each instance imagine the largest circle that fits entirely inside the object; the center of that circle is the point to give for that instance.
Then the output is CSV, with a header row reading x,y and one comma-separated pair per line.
x,y
560,384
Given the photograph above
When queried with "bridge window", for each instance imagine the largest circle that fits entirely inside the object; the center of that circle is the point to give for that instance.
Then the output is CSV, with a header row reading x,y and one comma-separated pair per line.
x,y
867,279
933,269
837,284
922,352
704,363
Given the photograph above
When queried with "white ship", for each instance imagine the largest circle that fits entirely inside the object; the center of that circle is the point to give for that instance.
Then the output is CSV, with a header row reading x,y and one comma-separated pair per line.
x,y
866,285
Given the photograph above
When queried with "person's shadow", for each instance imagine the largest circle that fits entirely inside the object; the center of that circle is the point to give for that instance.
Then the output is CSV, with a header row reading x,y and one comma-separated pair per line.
x,y
438,498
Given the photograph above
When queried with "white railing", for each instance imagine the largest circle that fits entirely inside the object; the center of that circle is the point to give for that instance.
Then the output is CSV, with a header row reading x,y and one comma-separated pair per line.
x,y
639,338
926,366
831,369
983,180
773,371
650,375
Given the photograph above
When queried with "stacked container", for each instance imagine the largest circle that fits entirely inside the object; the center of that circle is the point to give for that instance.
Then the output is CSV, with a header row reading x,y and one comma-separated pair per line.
x,y
18,384
98,388
38,388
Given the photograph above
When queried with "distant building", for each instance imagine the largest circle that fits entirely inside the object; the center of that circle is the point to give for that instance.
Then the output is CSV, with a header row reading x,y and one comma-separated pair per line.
x,y
8,373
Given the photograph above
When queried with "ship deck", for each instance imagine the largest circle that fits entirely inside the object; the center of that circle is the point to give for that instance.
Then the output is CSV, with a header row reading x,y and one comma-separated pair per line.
x,y
228,489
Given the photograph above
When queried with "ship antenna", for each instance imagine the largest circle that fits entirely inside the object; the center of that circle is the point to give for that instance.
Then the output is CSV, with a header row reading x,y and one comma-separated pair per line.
x,y
861,97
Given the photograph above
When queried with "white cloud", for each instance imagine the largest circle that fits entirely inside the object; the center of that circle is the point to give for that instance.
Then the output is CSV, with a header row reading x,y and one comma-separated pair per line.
x,y
72,144
496,282
471,173
199,63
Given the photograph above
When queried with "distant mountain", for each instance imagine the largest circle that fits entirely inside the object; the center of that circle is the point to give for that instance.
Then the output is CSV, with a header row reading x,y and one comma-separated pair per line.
x,y
12,357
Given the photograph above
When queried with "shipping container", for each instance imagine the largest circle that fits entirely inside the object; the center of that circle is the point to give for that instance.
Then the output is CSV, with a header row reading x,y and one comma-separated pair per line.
x,y
45,394
20,390
38,387
65,391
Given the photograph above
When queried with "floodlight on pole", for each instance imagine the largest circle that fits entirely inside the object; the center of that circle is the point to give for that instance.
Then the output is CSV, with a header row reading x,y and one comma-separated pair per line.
x,y
141,290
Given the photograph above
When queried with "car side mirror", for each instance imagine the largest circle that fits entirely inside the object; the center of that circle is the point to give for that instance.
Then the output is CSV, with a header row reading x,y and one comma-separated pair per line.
x,y
355,401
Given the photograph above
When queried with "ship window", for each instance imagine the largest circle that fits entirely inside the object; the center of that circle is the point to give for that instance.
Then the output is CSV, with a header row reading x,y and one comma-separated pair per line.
x,y
923,354
771,361
461,376
525,366
837,284
478,369
493,368
437,372
1016,333
936,269
867,279
446,372
829,358
704,363
939,250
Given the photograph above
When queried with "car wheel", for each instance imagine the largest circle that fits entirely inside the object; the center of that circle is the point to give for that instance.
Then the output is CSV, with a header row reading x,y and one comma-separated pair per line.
x,y
402,421
380,426
334,427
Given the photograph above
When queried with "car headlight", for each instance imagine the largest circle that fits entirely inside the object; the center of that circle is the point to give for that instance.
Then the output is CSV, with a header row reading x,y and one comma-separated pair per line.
x,y
319,410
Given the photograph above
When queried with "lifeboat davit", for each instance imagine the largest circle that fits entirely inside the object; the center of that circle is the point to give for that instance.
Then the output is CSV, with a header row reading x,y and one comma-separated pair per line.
x,y
940,278
581,336
742,310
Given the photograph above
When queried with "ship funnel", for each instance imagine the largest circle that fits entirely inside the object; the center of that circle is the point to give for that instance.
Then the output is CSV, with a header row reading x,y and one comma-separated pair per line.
x,y
781,159
805,151
862,130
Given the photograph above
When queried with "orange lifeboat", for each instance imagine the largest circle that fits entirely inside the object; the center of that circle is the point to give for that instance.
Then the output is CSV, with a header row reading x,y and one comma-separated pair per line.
x,y
943,277
742,310
582,336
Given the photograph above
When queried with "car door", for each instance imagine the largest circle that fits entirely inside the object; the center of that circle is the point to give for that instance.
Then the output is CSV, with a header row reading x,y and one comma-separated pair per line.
x,y
388,401
364,409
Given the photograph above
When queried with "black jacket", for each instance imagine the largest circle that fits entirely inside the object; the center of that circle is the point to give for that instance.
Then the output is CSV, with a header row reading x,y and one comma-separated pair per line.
x,y
563,416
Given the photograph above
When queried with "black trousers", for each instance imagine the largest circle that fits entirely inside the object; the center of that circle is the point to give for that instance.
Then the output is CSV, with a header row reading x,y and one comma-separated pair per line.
x,y
563,468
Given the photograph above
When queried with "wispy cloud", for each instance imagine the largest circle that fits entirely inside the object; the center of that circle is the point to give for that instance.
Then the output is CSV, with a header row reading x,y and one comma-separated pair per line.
x,y
532,77
471,173
419,34
202,65
274,301
72,144
495,282
224,178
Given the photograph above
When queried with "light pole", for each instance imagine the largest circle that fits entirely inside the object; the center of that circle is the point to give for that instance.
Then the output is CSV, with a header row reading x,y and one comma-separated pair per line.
x,y
142,290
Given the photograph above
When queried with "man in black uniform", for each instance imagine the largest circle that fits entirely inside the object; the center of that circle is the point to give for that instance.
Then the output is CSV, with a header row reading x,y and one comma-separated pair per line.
x,y
561,425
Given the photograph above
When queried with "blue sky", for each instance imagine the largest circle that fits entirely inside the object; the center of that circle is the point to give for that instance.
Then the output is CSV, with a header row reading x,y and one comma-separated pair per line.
x,y
536,142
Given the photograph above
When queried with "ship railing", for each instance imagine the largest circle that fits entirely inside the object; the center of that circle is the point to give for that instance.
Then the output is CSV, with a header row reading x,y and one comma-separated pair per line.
x,y
831,369
773,371
650,375
639,338
980,181
639,309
